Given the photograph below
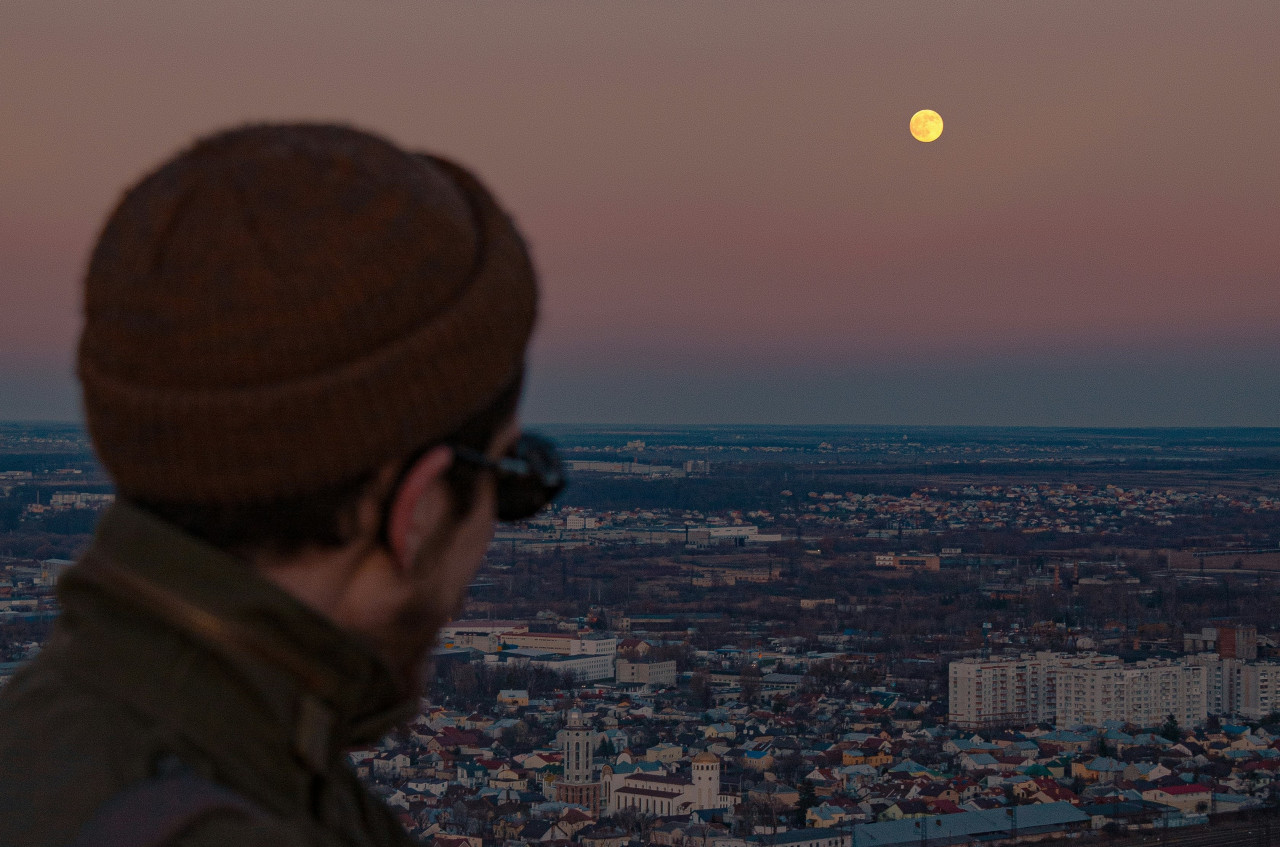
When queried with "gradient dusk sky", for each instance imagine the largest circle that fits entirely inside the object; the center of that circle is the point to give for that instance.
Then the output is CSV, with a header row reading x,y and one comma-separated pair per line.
x,y
731,221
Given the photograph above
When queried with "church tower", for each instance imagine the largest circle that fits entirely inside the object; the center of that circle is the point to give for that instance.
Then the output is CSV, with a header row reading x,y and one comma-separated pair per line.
x,y
577,786
577,750
706,780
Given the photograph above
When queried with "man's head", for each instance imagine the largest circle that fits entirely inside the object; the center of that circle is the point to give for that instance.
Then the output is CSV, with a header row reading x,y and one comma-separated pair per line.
x,y
279,325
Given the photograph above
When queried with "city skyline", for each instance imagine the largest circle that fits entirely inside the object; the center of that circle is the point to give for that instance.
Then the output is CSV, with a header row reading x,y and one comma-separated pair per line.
x,y
731,221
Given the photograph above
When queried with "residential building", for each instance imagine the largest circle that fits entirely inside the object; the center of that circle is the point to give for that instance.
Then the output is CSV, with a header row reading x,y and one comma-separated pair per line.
x,y
1142,694
909,561
654,674
1086,690
1257,690
1229,642
1011,691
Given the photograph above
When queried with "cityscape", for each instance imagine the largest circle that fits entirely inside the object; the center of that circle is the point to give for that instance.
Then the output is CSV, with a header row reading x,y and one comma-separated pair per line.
x,y
822,637
902,393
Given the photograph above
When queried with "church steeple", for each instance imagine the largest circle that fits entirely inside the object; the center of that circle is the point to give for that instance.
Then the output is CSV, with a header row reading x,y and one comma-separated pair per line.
x,y
706,779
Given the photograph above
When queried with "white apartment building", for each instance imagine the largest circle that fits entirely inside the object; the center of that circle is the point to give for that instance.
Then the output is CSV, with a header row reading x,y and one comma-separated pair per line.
x,y
1083,689
1257,690
1011,690
1236,687
1220,680
1091,690
1142,694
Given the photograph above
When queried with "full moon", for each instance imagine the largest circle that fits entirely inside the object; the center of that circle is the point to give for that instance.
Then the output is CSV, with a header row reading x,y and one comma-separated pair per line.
x,y
926,125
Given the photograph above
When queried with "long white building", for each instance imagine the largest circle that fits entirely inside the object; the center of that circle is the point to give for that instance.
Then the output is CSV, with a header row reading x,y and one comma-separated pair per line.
x,y
1011,690
1090,690
590,656
1142,694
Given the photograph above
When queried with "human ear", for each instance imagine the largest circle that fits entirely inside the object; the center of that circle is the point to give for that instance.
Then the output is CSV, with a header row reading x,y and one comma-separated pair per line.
x,y
419,505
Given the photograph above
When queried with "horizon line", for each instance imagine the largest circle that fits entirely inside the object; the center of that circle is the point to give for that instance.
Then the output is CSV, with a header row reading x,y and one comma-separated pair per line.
x,y
79,424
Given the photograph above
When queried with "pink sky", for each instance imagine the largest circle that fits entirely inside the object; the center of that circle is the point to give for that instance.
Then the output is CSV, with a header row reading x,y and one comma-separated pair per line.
x,y
715,191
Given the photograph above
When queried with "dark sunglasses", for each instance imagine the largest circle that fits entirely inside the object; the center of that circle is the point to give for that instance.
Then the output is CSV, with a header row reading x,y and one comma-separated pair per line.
x,y
528,478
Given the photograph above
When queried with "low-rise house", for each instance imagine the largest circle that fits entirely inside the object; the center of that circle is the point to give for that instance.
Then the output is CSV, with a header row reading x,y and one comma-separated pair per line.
x,y
1068,741
666,753
1186,797
978,762
573,820
720,731
509,779
1148,770
825,815
603,836
938,791
1100,769
1051,791
434,787
514,697
388,766
775,795
904,809
471,775
448,840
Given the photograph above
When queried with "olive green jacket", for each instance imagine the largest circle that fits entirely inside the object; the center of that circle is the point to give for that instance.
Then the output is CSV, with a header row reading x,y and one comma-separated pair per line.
x,y
167,646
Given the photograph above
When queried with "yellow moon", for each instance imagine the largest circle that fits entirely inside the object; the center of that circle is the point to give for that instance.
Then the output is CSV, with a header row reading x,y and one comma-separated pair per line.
x,y
926,125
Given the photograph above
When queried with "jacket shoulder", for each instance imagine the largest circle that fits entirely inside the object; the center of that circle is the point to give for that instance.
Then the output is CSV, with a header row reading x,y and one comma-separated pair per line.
x,y
226,828
64,750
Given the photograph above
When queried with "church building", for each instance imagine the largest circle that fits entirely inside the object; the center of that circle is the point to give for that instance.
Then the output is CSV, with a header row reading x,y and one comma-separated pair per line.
x,y
664,794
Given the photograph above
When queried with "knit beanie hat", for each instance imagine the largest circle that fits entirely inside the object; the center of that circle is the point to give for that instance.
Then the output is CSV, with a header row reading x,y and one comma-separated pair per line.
x,y
284,308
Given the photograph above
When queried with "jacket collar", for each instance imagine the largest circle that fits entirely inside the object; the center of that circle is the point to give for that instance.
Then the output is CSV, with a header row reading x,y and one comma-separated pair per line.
x,y
325,685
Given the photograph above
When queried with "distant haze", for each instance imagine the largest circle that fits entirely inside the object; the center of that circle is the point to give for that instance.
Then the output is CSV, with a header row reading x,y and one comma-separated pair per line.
x,y
731,221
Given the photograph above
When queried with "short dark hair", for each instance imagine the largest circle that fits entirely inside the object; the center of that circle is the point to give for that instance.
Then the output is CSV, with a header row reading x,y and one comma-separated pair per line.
x,y
327,517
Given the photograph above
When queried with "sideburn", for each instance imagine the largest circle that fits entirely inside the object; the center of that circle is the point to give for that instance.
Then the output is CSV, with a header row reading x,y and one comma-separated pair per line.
x,y
418,624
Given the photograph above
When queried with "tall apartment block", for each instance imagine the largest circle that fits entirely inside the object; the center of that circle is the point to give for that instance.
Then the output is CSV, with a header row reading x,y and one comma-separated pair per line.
x,y
1011,691
1236,687
1092,690
1142,694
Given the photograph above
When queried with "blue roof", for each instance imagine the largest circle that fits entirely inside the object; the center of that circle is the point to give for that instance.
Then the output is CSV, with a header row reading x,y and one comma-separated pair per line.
x,y
1043,817
1105,764
641,766
1151,739
908,766
1125,807
795,836
1234,798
